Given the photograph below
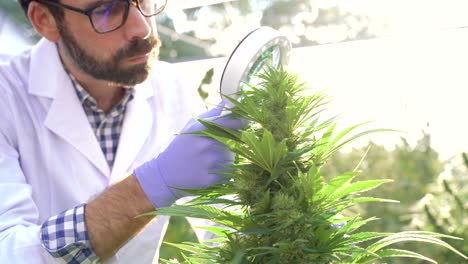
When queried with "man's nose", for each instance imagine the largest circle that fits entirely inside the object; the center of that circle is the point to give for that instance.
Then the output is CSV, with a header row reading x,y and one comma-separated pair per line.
x,y
137,26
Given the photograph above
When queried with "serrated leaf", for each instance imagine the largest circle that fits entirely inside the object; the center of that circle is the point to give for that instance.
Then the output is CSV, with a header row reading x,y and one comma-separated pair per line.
x,y
311,182
354,137
264,152
356,187
219,131
392,252
223,217
217,230
360,237
371,199
425,237
338,182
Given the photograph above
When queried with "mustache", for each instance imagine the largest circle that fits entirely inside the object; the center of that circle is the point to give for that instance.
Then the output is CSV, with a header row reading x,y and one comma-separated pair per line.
x,y
137,47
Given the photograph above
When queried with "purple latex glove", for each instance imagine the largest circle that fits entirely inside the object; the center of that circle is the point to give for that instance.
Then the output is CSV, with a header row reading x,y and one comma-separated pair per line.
x,y
189,162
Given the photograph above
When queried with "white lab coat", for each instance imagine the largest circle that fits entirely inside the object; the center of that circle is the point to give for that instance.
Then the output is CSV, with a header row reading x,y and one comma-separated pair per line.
x,y
50,159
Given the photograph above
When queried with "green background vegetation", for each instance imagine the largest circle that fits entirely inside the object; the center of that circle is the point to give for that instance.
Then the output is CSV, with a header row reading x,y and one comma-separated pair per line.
x,y
274,13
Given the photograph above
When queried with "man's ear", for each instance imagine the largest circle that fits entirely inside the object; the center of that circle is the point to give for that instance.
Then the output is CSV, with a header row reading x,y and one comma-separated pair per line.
x,y
43,21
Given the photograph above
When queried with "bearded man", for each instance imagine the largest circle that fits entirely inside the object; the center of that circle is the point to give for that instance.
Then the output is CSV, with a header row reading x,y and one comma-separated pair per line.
x,y
87,140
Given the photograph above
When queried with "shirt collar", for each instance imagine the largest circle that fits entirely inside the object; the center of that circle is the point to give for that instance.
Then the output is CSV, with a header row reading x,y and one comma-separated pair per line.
x,y
88,101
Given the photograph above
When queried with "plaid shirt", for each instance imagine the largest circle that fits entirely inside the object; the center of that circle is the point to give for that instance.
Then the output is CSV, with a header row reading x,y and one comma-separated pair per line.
x,y
65,236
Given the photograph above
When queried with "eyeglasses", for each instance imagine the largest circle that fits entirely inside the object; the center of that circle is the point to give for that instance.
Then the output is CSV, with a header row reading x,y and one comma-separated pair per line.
x,y
109,15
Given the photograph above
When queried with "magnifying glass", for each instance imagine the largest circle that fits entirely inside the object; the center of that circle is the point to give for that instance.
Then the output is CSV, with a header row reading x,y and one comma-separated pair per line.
x,y
262,48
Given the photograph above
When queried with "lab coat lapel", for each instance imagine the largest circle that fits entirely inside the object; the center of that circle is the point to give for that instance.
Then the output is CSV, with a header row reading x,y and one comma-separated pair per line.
x,y
65,117
135,131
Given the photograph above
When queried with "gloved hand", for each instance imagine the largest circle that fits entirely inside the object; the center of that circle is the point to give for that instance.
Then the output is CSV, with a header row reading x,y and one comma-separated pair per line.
x,y
189,162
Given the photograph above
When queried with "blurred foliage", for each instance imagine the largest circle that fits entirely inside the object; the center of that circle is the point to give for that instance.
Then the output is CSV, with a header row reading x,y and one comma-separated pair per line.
x,y
411,167
444,207
178,231
304,21
12,10
175,45
207,80
310,24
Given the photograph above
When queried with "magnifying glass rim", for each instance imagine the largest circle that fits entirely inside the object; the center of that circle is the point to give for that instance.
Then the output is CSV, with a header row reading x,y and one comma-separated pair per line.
x,y
230,59
269,36
234,52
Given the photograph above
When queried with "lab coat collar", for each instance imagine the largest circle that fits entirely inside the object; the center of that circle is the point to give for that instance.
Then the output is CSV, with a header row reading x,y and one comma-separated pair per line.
x,y
67,119
136,128
46,71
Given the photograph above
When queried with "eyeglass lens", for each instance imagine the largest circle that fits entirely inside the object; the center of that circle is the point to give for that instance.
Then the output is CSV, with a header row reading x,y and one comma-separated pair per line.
x,y
111,14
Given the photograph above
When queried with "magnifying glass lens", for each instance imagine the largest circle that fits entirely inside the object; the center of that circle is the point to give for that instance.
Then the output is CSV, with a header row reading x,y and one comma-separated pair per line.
x,y
271,57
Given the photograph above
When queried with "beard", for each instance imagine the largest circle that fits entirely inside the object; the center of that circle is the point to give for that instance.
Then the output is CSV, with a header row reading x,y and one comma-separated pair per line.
x,y
111,69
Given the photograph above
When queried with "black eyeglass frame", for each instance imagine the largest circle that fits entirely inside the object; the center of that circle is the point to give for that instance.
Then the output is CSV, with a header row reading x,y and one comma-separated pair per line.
x,y
88,12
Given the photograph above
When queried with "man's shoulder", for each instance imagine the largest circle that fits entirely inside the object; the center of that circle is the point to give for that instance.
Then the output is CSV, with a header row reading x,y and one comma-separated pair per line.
x,y
37,60
4,57
14,66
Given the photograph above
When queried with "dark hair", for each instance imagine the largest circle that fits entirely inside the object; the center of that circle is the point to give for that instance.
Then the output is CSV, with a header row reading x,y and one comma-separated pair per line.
x,y
24,4
55,11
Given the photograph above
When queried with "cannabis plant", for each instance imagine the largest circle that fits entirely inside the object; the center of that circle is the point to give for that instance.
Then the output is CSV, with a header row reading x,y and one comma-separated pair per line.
x,y
275,205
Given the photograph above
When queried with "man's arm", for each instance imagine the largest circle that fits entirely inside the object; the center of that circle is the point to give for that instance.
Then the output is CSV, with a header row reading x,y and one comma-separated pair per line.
x,y
100,228
111,218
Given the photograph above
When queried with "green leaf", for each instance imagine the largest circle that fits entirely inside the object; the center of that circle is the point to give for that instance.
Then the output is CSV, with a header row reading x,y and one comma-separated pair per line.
x,y
324,142
391,253
214,201
354,137
360,223
356,168
356,187
345,132
371,199
266,153
223,217
426,237
311,182
338,182
340,233
217,230
187,247
218,131
360,237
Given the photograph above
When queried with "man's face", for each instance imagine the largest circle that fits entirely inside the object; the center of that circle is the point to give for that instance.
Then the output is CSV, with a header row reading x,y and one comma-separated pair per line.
x,y
120,61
